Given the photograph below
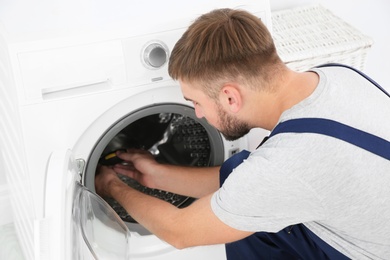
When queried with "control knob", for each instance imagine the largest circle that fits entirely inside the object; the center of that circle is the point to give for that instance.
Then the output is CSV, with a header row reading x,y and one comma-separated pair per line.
x,y
155,55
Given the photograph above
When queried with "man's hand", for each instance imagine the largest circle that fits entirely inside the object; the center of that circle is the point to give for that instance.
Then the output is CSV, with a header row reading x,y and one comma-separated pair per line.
x,y
140,166
104,177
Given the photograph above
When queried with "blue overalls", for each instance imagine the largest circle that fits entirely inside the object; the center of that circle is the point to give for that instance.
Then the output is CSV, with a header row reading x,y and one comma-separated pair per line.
x,y
297,241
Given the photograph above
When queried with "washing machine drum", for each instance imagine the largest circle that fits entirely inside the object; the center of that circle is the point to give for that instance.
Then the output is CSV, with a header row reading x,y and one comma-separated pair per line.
x,y
172,133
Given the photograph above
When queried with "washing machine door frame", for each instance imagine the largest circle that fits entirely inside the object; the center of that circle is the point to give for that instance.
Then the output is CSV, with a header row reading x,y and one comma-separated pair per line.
x,y
75,218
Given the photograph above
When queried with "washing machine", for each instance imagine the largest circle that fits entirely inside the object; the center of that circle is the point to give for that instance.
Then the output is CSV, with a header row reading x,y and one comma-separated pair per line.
x,y
79,80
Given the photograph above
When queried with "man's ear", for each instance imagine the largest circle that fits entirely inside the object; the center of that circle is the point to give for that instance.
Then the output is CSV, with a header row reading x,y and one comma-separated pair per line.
x,y
231,98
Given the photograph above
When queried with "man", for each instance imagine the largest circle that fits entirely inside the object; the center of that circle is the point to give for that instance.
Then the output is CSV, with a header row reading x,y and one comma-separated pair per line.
x,y
227,65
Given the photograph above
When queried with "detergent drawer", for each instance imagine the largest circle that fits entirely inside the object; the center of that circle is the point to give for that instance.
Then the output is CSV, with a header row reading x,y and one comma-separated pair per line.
x,y
68,70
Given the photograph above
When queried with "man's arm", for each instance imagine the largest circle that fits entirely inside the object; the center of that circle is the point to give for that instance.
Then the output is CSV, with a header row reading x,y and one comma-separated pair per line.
x,y
191,226
189,181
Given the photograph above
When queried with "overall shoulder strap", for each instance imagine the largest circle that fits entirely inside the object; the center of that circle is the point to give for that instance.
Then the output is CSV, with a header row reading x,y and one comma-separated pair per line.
x,y
364,140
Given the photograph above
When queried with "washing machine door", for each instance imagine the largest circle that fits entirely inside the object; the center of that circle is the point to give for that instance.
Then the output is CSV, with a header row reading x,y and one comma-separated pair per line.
x,y
81,224
101,229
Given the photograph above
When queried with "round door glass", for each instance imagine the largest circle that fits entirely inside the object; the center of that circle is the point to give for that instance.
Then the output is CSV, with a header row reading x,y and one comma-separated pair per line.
x,y
172,133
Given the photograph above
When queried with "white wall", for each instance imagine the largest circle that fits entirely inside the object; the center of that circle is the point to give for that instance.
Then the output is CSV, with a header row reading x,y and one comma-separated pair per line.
x,y
371,17
5,204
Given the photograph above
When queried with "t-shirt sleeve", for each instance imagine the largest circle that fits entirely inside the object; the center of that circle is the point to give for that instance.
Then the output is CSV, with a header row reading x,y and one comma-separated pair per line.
x,y
259,197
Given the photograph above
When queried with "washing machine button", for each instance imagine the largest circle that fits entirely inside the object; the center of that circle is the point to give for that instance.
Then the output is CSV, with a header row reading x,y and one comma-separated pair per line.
x,y
155,55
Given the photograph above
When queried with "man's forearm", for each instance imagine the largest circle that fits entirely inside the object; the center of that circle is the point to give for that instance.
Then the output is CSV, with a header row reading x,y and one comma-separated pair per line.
x,y
190,181
191,226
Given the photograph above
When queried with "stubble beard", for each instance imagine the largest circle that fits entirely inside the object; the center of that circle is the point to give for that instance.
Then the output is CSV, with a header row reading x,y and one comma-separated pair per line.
x,y
231,128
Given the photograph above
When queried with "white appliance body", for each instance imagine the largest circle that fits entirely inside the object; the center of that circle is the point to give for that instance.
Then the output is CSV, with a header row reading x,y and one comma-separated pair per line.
x,y
69,74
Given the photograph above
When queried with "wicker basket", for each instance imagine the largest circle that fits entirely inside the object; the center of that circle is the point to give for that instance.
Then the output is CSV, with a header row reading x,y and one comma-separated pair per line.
x,y
311,35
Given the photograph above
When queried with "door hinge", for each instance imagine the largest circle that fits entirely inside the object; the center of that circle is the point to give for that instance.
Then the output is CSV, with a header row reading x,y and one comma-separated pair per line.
x,y
80,168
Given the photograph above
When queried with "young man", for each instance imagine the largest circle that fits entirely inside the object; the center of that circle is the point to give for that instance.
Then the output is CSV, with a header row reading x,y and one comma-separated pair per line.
x,y
227,65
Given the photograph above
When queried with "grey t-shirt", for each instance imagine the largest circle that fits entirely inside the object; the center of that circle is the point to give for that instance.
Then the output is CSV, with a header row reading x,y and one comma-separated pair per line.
x,y
339,191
